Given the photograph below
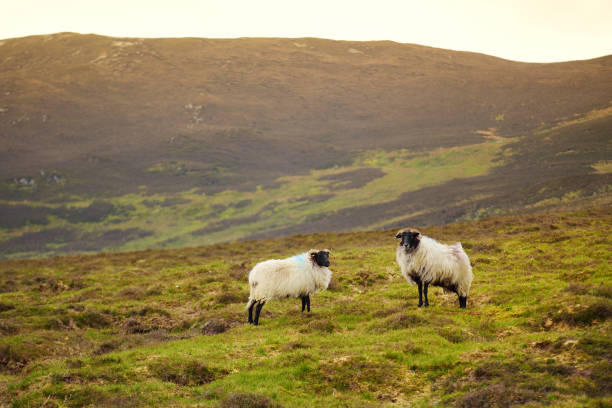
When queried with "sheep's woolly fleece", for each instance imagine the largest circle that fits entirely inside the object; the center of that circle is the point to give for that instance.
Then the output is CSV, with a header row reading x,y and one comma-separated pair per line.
x,y
437,264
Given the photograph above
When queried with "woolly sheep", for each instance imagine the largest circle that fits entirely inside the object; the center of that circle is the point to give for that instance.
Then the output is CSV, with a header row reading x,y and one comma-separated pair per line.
x,y
298,276
425,261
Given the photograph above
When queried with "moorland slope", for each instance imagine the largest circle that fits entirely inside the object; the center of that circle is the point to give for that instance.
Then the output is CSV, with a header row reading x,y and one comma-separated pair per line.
x,y
168,327
127,143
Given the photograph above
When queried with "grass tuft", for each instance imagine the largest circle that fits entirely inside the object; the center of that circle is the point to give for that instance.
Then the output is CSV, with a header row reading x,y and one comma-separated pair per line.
x,y
247,400
215,326
187,373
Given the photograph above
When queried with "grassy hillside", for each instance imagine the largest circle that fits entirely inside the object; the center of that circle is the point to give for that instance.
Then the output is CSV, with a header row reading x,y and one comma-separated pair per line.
x,y
124,144
167,327
112,114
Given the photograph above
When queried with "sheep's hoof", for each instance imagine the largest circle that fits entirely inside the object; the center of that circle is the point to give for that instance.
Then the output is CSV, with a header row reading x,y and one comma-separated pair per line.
x,y
420,304
426,304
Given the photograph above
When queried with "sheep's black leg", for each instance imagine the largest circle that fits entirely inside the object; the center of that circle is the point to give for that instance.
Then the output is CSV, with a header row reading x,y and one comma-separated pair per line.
x,y
303,303
258,311
425,293
462,302
308,303
420,293
251,311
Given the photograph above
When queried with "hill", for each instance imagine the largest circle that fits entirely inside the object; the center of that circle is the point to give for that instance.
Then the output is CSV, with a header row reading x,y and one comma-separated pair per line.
x,y
126,143
167,327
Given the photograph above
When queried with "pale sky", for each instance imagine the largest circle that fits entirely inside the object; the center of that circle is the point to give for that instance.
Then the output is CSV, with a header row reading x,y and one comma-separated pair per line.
x,y
522,30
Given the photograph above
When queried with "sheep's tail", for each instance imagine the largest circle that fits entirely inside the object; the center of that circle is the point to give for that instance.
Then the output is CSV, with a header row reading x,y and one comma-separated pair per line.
x,y
460,253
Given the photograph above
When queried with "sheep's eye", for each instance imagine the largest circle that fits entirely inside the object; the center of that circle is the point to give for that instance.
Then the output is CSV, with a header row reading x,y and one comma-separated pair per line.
x,y
398,236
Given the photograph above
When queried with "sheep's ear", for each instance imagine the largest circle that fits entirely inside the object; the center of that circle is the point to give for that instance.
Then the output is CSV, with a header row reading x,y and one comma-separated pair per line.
x,y
398,236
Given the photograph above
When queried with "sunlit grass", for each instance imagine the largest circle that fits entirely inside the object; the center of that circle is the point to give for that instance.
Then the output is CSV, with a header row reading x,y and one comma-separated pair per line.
x,y
128,329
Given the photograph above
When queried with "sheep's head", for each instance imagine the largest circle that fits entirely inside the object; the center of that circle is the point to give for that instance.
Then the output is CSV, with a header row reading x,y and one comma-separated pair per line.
x,y
409,238
320,257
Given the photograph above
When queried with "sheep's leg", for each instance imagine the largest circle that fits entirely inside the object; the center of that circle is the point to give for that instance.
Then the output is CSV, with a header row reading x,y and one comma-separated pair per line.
x,y
420,293
425,293
251,306
462,302
303,303
308,303
260,304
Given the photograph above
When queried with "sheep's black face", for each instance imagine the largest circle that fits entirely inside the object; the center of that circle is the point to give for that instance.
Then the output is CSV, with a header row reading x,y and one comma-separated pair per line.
x,y
321,258
409,239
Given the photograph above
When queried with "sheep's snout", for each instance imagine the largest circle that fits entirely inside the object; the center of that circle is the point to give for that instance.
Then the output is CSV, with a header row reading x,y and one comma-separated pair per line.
x,y
406,241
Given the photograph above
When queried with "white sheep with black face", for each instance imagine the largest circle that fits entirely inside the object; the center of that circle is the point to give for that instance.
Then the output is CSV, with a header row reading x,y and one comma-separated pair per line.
x,y
425,261
298,276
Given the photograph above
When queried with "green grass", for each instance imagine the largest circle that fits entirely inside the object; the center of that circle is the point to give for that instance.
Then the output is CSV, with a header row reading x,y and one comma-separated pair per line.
x,y
167,327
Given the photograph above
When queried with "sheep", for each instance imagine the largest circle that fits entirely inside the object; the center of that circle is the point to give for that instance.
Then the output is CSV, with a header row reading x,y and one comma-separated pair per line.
x,y
298,276
425,261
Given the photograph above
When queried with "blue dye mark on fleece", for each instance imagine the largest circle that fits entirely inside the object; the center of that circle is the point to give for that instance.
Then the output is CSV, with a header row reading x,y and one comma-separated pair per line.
x,y
300,259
